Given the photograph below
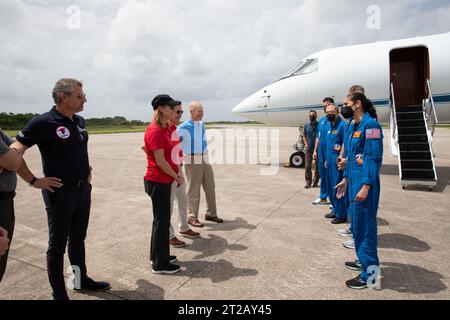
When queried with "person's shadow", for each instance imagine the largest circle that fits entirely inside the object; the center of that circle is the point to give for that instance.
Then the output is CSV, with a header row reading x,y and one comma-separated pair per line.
x,y
402,242
217,271
144,291
405,278
211,246
237,223
382,222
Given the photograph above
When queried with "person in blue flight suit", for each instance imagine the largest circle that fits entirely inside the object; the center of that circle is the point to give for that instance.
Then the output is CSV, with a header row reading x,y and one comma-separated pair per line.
x,y
362,182
347,115
320,155
334,141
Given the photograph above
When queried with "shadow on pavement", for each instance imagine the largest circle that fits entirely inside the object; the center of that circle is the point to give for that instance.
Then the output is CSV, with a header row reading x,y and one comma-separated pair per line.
x,y
405,278
402,242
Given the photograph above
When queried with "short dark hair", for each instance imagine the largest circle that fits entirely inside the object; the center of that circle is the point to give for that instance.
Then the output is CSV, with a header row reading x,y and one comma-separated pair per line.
x,y
328,99
313,111
357,88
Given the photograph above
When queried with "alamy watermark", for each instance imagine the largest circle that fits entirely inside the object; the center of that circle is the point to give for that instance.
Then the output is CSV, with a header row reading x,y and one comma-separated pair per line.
x,y
230,147
374,19
74,17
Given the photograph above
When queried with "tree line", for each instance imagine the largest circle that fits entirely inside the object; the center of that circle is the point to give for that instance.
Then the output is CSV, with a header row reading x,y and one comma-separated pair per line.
x,y
11,121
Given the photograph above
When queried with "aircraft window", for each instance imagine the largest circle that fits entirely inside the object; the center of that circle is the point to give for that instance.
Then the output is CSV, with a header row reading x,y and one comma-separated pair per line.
x,y
309,66
291,72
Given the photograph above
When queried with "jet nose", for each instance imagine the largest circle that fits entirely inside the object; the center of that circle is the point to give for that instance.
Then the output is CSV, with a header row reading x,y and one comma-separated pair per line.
x,y
238,109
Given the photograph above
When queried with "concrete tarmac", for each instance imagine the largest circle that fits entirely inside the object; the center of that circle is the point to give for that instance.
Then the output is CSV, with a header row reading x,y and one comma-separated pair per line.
x,y
273,245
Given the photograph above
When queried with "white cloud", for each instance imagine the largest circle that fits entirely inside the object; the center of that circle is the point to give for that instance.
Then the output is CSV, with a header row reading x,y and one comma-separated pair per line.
x,y
216,51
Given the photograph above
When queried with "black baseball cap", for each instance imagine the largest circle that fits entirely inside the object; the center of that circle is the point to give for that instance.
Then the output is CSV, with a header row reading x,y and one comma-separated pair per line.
x,y
164,100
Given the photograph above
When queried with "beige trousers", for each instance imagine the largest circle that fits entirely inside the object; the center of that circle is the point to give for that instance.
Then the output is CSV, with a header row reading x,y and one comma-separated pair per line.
x,y
200,175
179,193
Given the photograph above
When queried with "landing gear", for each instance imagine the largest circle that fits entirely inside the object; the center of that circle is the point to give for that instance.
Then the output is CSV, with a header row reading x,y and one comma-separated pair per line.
x,y
297,160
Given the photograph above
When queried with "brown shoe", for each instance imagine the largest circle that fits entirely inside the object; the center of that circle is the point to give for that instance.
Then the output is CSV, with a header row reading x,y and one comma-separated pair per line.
x,y
196,223
213,219
189,234
176,243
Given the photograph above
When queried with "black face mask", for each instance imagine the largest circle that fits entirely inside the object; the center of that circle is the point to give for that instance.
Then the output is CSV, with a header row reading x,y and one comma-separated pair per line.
x,y
331,117
347,112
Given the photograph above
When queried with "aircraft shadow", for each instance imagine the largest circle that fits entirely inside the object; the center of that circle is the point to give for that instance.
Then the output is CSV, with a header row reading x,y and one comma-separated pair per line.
x,y
402,242
405,278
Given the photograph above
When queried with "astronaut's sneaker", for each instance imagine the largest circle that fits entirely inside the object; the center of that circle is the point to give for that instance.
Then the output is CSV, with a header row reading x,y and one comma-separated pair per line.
x,y
349,244
356,283
354,265
345,233
319,201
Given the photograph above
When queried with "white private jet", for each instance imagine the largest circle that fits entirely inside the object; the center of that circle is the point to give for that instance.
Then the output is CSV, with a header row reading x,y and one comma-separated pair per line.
x,y
408,81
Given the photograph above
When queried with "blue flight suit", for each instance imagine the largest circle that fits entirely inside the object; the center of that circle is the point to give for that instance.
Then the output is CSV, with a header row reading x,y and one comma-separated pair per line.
x,y
365,155
321,155
348,129
334,141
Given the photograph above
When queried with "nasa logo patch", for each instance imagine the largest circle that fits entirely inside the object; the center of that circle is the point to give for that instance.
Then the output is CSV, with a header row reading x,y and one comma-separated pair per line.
x,y
359,159
63,133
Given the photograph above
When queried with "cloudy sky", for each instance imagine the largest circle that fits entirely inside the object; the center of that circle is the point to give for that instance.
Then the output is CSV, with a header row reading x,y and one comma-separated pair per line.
x,y
216,51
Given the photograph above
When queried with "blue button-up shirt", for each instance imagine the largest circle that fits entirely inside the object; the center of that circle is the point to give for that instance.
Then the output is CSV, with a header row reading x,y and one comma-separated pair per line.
x,y
193,137
311,133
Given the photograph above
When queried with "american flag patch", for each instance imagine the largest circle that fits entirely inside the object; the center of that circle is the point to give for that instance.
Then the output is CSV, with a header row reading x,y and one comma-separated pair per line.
x,y
373,134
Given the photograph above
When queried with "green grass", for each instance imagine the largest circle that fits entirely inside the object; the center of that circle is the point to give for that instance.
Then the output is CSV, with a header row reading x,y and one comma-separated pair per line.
x,y
99,130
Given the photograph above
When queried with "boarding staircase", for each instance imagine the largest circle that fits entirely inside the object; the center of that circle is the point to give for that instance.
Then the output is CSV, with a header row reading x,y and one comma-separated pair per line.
x,y
412,130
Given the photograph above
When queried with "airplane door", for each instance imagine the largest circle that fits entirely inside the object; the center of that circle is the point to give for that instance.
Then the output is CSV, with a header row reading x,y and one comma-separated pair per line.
x,y
410,70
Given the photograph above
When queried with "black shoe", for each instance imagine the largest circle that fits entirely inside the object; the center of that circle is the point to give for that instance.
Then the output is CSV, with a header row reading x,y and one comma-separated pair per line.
x,y
308,186
172,259
354,265
338,221
92,285
331,215
356,283
315,185
60,297
169,269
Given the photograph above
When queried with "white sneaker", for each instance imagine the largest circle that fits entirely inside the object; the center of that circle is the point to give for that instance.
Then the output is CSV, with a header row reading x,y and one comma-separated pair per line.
x,y
345,233
349,244
319,201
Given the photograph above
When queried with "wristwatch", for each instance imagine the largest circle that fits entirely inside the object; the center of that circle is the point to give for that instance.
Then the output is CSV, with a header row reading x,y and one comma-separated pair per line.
x,y
33,181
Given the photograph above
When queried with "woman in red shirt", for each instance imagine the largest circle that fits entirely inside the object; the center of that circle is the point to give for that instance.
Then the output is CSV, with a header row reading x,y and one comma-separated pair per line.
x,y
162,171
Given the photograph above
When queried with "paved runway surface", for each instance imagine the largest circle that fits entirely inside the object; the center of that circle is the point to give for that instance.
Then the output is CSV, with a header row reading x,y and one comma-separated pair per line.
x,y
273,245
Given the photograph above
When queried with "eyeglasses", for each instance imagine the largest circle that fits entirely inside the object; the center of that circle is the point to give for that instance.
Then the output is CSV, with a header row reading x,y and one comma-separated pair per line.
x,y
180,112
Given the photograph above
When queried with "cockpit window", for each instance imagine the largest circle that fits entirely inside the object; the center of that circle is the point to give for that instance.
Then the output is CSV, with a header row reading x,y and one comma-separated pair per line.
x,y
305,66
308,66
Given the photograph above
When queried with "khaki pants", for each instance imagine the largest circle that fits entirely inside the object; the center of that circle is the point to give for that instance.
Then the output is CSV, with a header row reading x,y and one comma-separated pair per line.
x,y
200,175
180,195
309,163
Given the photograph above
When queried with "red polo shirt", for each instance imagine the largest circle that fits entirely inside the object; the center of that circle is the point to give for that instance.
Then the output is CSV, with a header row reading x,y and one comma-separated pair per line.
x,y
157,138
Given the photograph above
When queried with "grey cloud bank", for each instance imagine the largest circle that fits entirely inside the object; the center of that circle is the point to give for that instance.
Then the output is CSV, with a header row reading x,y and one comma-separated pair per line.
x,y
217,51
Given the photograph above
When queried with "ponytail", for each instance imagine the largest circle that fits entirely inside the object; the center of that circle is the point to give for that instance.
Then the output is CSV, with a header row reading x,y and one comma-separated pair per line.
x,y
367,104
372,110
157,118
